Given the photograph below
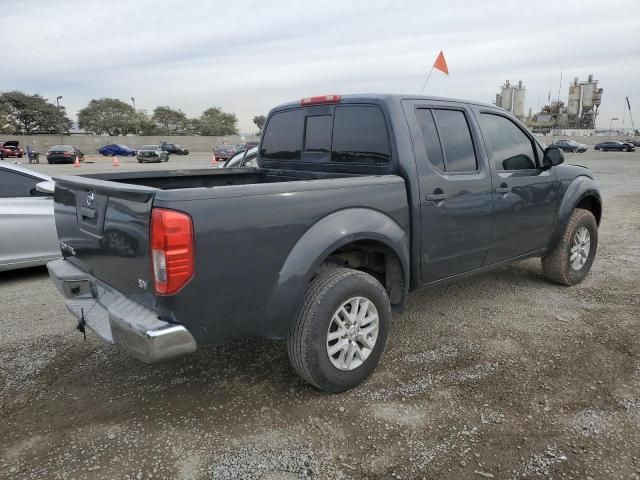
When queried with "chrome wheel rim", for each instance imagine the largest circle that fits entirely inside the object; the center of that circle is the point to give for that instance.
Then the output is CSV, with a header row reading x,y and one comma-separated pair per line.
x,y
352,333
580,248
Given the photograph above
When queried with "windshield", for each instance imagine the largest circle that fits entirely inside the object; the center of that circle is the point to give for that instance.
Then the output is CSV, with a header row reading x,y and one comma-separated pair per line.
x,y
149,147
61,147
225,148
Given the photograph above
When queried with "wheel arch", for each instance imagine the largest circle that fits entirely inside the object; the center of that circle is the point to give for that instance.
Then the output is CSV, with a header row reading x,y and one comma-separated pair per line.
x,y
346,235
583,192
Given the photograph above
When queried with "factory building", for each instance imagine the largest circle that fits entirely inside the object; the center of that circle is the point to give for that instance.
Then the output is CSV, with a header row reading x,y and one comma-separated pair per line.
x,y
578,115
584,100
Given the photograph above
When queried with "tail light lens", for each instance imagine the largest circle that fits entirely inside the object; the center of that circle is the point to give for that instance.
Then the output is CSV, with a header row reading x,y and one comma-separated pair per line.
x,y
171,250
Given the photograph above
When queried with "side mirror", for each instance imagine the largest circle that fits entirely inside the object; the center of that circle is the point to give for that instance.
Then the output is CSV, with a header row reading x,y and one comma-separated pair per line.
x,y
47,187
552,157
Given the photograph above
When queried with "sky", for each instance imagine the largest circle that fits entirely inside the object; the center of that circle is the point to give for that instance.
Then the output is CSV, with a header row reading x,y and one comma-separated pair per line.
x,y
248,56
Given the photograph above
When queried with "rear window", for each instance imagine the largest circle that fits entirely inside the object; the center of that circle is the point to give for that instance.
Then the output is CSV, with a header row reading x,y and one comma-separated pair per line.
x,y
352,134
283,136
317,136
66,148
360,135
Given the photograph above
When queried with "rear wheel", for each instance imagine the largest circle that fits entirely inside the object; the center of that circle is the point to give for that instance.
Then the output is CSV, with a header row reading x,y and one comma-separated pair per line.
x,y
570,261
341,330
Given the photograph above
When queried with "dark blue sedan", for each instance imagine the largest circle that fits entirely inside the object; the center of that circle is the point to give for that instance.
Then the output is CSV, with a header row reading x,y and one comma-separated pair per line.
x,y
116,149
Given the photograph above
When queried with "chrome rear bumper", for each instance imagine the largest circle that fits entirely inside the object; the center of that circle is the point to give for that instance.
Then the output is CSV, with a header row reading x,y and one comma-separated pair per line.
x,y
116,319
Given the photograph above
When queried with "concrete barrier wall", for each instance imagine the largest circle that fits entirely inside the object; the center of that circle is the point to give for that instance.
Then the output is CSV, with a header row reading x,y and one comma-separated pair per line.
x,y
89,144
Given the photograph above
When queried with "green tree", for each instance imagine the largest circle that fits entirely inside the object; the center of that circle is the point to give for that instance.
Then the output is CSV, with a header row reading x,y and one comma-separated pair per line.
x,y
259,120
108,115
170,121
22,113
214,121
144,125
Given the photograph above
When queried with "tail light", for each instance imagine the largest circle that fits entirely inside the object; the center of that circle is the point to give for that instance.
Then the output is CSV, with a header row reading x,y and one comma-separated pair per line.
x,y
320,100
171,250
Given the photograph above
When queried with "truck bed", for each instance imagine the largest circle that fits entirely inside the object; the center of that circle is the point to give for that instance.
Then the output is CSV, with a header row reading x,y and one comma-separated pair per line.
x,y
207,178
246,223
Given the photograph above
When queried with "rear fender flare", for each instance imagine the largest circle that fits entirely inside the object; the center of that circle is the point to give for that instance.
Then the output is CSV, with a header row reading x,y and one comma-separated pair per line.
x,y
316,244
579,188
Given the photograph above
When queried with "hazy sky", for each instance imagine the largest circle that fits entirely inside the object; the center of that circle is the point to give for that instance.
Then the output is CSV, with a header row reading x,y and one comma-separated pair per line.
x,y
247,56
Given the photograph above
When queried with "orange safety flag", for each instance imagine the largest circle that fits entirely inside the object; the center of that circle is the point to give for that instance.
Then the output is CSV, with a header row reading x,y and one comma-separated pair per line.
x,y
441,63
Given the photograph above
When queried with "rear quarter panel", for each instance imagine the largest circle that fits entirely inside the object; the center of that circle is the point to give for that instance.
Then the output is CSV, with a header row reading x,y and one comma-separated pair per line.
x,y
246,282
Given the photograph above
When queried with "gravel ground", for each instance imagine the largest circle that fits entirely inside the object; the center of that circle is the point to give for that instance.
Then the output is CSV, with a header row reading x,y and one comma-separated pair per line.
x,y
498,376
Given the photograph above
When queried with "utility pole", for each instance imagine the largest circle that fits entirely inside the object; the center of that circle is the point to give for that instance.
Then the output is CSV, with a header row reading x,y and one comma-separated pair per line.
x,y
59,126
135,123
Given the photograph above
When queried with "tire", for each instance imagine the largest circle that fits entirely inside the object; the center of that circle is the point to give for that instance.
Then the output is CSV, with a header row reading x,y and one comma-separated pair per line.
x,y
308,341
557,265
625,149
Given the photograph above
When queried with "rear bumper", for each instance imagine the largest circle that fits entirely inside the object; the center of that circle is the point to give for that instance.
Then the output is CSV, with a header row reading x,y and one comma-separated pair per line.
x,y
116,319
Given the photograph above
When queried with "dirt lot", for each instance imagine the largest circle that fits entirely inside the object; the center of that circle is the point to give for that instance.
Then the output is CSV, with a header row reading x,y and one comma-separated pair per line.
x,y
498,376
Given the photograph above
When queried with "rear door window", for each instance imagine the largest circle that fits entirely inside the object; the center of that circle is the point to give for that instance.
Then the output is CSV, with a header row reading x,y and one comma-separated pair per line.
x,y
360,135
282,139
455,137
431,139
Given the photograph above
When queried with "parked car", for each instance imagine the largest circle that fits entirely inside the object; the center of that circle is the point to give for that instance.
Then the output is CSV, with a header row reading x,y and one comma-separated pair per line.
x,y
11,148
244,158
27,228
117,149
569,146
64,154
614,146
632,141
152,153
356,200
224,152
174,148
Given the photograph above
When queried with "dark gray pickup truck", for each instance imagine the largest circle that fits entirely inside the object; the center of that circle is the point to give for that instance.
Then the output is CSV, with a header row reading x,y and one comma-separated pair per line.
x,y
356,201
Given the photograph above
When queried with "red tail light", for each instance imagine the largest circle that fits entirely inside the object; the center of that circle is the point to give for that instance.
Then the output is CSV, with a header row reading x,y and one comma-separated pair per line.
x,y
321,99
171,250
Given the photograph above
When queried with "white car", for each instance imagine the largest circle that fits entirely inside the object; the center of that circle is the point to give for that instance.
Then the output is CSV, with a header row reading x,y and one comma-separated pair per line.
x,y
27,229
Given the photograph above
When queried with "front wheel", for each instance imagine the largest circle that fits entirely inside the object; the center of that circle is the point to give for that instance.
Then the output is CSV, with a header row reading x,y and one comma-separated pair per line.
x,y
570,261
341,330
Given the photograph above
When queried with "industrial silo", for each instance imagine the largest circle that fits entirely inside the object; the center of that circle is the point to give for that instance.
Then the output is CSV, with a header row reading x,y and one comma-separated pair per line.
x,y
519,95
575,94
506,96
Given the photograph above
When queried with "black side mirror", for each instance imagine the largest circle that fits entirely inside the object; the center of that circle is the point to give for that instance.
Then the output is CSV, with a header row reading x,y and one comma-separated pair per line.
x,y
552,157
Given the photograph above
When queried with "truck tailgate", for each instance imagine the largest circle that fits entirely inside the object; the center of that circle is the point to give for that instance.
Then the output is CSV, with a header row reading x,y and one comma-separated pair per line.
x,y
103,229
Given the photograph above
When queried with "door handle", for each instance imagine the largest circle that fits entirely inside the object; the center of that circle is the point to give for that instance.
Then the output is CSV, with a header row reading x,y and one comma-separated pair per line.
x,y
503,190
436,197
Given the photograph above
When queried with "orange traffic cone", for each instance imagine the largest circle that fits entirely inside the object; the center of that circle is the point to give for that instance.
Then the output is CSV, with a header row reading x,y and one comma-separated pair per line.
x,y
76,164
214,162
116,163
